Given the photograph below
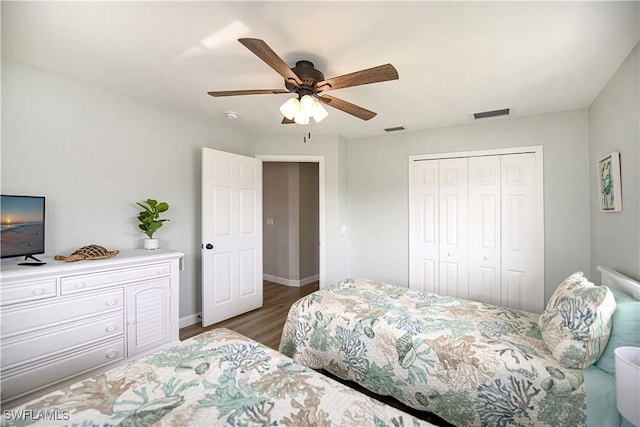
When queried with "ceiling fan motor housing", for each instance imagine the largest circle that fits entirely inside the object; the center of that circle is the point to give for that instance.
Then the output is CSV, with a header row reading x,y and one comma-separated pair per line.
x,y
306,71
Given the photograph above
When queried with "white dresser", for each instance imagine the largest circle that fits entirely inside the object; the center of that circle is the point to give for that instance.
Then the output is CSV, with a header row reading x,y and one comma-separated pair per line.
x,y
66,319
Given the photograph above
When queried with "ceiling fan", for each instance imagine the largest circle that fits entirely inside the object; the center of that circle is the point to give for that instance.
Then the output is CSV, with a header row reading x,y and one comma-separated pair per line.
x,y
310,85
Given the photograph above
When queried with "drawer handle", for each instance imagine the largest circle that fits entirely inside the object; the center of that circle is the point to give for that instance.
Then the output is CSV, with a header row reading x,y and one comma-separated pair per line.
x,y
38,291
162,271
111,302
111,328
79,285
112,354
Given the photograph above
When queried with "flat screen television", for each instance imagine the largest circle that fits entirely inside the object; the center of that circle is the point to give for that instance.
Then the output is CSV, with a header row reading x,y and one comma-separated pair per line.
x,y
22,222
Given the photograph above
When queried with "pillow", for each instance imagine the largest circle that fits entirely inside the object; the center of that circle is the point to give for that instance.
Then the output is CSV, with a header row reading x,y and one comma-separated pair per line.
x,y
576,324
625,330
564,287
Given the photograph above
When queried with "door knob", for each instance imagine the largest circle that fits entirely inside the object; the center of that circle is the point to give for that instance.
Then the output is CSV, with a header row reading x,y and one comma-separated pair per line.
x,y
209,246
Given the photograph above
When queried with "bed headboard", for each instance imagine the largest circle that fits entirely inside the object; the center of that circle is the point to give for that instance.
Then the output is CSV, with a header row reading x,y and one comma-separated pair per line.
x,y
618,280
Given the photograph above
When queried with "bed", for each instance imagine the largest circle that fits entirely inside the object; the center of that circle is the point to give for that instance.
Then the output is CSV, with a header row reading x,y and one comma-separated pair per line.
x,y
216,378
467,362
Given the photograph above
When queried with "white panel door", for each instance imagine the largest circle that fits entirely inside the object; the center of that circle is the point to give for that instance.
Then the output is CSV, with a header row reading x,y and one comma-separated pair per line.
x,y
522,231
484,229
425,244
453,227
231,235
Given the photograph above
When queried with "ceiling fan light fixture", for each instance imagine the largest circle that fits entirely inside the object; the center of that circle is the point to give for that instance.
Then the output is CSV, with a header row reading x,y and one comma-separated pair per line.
x,y
319,113
301,110
307,103
291,108
312,108
301,119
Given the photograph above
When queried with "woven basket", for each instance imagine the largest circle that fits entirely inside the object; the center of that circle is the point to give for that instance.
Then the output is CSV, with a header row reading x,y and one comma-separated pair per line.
x,y
90,252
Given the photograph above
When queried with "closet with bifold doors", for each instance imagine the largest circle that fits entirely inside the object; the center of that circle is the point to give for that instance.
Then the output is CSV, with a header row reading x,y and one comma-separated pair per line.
x,y
476,226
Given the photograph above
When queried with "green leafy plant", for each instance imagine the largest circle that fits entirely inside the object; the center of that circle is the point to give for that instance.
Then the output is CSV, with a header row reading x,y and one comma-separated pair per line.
x,y
150,217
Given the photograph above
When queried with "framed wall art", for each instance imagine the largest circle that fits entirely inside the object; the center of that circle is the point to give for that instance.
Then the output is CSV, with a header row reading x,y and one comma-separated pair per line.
x,y
609,184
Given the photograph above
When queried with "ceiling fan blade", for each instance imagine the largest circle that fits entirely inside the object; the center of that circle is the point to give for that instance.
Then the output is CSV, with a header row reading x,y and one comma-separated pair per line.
x,y
377,74
264,52
247,92
347,107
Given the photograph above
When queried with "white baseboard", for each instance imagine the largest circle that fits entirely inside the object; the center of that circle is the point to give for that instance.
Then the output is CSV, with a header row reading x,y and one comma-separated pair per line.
x,y
192,319
309,279
291,282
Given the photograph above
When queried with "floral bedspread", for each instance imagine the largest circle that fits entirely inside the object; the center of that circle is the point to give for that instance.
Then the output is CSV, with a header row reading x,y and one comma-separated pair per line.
x,y
469,363
216,378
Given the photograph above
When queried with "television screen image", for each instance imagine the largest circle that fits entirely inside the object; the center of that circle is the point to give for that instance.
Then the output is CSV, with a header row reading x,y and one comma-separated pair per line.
x,y
22,222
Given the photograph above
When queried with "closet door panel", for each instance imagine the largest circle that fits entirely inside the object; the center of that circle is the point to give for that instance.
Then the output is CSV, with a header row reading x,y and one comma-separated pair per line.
x,y
484,229
424,268
522,284
454,246
477,228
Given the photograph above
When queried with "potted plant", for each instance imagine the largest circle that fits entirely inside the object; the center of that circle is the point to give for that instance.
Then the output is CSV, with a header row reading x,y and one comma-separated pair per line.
x,y
150,220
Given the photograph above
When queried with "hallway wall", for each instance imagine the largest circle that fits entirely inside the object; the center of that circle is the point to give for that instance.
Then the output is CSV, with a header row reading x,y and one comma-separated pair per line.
x,y
290,215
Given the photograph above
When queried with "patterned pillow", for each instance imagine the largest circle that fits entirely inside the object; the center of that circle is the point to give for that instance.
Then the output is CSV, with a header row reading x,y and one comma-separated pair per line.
x,y
576,279
576,324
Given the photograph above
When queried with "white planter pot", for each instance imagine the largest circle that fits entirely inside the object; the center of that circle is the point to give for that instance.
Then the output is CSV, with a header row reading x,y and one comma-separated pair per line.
x,y
151,244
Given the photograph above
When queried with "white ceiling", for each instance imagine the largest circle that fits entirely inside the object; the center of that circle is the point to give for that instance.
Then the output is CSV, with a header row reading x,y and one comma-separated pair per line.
x,y
453,58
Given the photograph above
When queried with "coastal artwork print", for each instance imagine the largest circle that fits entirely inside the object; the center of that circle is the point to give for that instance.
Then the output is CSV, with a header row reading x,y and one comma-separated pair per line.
x,y
609,183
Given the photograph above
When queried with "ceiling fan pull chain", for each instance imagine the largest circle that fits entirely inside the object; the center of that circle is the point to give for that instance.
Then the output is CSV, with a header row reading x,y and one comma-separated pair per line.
x,y
308,135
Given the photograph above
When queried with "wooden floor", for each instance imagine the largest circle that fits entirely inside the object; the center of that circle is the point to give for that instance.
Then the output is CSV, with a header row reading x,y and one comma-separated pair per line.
x,y
264,324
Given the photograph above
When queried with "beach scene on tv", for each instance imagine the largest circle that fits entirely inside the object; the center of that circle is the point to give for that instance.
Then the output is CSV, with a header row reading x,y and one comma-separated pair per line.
x,y
22,226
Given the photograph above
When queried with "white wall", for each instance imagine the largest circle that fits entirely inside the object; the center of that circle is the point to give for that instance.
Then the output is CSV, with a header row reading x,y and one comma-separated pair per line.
x,y
378,190
614,125
93,154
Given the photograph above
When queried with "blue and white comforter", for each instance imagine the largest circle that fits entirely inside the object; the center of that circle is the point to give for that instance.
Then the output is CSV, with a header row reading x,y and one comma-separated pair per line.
x,y
216,378
468,362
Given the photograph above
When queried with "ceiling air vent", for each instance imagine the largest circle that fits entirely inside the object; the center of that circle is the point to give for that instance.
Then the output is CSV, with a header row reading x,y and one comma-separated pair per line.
x,y
493,113
394,129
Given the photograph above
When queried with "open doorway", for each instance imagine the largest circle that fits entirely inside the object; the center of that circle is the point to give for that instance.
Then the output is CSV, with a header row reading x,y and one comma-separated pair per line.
x,y
290,223
293,220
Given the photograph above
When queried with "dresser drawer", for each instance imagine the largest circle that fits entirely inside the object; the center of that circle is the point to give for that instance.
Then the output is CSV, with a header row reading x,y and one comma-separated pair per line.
x,y
55,312
83,282
16,383
25,348
23,291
